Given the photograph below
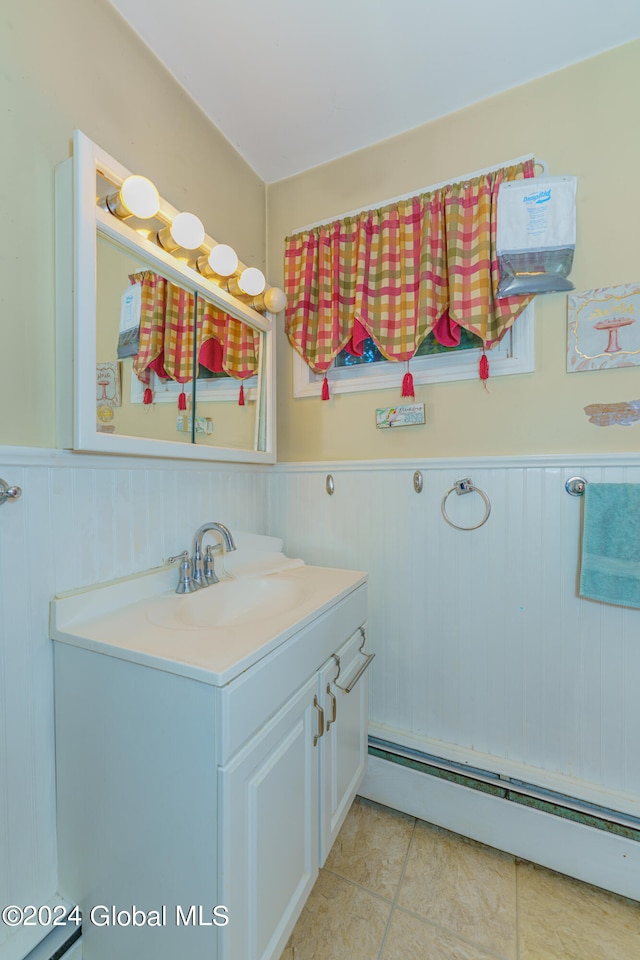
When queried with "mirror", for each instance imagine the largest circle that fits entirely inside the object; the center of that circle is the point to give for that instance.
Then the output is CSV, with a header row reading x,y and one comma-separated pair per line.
x,y
220,421
167,362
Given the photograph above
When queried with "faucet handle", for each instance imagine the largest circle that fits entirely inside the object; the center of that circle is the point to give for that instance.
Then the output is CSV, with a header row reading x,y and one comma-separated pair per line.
x,y
185,581
179,556
210,574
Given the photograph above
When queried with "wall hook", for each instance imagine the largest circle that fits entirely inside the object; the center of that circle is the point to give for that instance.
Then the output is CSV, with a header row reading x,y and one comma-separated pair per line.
x,y
8,493
329,485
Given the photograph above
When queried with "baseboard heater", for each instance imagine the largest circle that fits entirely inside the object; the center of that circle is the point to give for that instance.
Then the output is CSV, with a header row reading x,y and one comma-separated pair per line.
x,y
507,788
55,945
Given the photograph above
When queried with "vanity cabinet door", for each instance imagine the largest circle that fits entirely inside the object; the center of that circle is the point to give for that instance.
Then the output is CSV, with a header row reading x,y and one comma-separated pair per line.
x,y
344,745
269,830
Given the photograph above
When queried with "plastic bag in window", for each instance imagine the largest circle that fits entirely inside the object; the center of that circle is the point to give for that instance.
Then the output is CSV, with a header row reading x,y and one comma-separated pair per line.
x,y
536,235
130,308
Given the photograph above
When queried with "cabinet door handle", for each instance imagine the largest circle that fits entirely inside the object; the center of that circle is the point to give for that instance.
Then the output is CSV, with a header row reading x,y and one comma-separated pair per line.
x,y
334,706
320,732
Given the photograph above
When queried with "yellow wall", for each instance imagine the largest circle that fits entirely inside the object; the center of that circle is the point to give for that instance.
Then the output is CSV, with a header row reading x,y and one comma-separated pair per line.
x,y
76,64
582,121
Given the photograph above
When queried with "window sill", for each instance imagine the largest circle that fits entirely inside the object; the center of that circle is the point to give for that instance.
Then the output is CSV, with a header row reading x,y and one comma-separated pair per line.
x,y
514,355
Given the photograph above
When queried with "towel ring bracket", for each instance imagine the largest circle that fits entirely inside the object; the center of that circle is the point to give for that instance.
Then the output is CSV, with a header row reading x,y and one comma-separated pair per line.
x,y
575,486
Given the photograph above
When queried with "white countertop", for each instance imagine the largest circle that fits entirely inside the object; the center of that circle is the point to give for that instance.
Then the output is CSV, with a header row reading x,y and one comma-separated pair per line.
x,y
124,619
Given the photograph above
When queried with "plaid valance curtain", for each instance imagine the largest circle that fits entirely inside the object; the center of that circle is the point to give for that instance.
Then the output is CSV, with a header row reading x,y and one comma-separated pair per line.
x,y
223,343
236,345
396,274
166,329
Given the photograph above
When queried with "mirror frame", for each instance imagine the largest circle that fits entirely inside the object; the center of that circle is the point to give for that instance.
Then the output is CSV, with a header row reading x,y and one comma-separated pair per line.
x,y
76,292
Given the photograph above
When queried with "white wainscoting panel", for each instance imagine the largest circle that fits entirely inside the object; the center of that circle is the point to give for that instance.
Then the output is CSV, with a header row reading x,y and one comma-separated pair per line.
x,y
80,520
485,653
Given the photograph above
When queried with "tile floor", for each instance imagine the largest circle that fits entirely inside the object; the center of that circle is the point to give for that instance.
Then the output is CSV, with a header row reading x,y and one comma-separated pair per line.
x,y
397,888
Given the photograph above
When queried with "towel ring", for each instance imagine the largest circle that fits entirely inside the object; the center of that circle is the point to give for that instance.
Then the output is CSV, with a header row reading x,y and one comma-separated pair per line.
x,y
460,487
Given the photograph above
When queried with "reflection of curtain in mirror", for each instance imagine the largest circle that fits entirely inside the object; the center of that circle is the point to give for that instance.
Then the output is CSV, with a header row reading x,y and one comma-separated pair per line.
x,y
166,332
225,344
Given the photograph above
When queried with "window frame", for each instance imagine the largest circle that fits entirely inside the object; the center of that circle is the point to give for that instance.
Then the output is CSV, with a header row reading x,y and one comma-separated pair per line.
x,y
221,389
513,355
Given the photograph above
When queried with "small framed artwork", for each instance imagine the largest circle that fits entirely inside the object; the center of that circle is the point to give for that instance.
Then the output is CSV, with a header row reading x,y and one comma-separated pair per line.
x,y
405,416
603,327
108,384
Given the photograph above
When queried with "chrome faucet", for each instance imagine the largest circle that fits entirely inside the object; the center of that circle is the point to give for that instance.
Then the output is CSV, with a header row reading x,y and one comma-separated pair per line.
x,y
197,571
203,573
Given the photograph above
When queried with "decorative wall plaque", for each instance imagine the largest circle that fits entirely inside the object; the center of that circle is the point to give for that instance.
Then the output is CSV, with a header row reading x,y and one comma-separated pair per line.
x,y
603,328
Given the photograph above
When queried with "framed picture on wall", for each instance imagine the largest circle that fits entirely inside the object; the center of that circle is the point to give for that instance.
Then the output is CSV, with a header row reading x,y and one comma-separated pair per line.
x,y
108,384
603,328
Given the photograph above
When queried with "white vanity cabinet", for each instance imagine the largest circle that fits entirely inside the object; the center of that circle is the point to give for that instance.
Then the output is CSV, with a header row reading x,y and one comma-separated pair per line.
x,y
269,838
185,782
283,799
344,748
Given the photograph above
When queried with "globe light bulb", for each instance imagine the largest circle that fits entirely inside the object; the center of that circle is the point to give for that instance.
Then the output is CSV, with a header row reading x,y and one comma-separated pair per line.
x,y
274,299
137,197
187,231
251,281
223,260
140,197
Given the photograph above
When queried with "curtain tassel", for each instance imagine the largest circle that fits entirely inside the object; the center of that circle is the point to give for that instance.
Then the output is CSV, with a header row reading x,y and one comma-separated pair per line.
x,y
484,366
325,388
182,401
148,396
407,385
241,396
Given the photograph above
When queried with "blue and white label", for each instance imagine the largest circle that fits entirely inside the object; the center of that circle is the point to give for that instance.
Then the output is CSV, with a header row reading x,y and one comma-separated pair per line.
x,y
130,307
536,214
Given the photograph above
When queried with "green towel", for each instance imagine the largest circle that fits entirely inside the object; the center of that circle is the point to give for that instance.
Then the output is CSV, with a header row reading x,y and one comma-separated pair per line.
x,y
610,568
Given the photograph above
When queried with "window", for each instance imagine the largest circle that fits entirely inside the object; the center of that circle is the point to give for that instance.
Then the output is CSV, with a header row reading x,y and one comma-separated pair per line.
x,y
398,271
348,374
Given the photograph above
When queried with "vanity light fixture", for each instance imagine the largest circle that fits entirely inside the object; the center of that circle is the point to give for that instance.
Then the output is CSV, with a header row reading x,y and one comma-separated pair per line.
x,y
137,197
221,262
250,283
273,299
186,231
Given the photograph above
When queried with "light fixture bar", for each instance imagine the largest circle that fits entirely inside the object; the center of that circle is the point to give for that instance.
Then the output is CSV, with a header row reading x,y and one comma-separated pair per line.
x,y
136,196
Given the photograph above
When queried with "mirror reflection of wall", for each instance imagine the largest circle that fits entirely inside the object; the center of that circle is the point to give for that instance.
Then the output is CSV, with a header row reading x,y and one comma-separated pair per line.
x,y
220,420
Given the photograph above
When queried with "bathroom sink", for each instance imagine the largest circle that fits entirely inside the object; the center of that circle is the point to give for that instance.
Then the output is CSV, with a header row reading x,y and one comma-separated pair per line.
x,y
228,603
219,631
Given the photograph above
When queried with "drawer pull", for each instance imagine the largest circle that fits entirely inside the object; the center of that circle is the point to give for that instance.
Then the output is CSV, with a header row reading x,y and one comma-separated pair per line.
x,y
334,706
320,732
368,657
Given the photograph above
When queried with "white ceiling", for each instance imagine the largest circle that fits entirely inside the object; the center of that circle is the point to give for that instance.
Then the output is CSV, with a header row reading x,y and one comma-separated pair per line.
x,y
293,83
